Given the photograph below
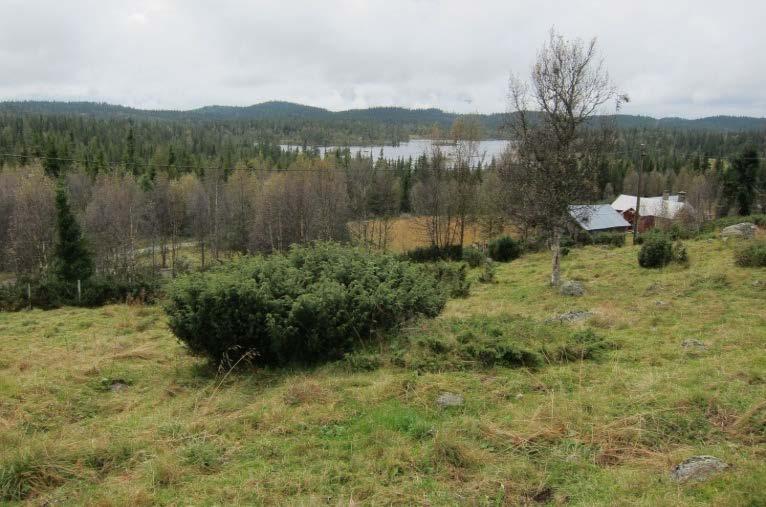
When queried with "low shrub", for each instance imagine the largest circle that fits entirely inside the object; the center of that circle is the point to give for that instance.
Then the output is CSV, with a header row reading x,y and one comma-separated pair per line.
x,y
652,234
752,255
680,254
501,341
616,239
473,256
312,304
720,223
649,235
434,253
656,252
682,231
50,292
453,277
45,293
361,362
581,345
581,237
501,353
504,249
488,273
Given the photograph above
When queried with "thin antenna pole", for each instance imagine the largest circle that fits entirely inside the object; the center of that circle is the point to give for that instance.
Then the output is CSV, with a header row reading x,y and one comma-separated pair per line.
x,y
638,193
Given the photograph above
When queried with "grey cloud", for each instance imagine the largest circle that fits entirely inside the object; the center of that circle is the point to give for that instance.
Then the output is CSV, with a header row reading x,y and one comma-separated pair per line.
x,y
680,58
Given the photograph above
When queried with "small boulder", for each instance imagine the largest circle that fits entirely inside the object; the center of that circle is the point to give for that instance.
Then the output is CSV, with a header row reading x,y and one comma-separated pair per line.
x,y
572,288
445,400
117,386
742,230
697,468
573,316
693,344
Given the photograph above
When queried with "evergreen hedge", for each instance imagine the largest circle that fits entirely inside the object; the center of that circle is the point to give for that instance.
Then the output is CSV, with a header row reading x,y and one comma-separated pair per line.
x,y
504,249
616,239
309,305
473,256
656,251
434,253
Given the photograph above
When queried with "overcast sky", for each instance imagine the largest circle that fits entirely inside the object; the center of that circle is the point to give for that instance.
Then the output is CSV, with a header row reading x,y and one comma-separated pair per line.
x,y
673,57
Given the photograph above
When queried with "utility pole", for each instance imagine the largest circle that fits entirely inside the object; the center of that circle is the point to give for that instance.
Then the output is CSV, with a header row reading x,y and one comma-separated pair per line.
x,y
638,193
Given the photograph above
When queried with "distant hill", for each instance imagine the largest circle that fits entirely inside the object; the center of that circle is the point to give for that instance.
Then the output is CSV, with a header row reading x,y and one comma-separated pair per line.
x,y
388,115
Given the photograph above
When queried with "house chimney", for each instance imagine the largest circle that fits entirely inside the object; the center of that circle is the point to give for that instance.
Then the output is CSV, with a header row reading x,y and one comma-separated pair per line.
x,y
665,195
681,196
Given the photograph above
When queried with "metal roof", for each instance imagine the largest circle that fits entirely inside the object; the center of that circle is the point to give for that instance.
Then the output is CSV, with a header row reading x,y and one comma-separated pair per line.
x,y
651,206
596,217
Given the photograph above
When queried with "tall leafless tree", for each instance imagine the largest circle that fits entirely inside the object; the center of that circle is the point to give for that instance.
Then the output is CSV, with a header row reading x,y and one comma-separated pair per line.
x,y
113,222
241,195
373,195
557,141
432,200
466,134
32,227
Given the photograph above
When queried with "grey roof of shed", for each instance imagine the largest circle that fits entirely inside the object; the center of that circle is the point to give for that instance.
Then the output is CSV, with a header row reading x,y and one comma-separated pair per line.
x,y
596,217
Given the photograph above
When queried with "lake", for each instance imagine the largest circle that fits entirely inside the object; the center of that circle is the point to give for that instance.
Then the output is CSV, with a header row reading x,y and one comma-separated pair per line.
x,y
415,148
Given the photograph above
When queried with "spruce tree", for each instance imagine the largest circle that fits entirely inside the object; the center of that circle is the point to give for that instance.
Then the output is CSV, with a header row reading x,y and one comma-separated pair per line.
x,y
72,260
130,152
51,162
740,181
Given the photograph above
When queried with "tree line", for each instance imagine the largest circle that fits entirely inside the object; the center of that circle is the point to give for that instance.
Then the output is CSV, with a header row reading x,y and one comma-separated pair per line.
x,y
126,218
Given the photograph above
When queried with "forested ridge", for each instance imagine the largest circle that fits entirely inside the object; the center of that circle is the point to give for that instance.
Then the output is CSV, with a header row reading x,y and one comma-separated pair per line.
x,y
297,123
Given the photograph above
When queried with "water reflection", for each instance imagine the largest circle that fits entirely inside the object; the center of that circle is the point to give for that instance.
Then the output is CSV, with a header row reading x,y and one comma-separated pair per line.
x,y
487,150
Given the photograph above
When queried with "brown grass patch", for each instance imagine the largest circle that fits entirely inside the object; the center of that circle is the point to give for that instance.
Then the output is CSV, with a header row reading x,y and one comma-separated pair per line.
x,y
305,391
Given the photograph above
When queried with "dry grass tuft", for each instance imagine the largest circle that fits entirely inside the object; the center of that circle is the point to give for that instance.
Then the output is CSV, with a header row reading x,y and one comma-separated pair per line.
x,y
304,391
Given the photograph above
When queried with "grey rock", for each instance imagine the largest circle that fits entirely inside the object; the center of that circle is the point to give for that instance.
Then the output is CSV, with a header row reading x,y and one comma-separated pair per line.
x,y
742,230
693,344
573,316
449,400
659,302
572,288
117,386
697,468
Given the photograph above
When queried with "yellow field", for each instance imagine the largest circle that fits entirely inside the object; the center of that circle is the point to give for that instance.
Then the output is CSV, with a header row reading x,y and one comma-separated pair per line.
x,y
408,233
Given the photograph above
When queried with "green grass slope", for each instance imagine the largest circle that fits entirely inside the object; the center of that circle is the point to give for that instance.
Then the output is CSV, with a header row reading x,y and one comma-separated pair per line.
x,y
104,407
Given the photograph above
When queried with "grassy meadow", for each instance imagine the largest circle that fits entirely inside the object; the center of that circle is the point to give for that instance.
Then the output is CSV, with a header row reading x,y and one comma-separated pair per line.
x,y
104,407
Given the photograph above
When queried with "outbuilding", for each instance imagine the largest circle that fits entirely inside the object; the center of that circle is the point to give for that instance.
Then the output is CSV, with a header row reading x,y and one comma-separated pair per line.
x,y
665,208
596,218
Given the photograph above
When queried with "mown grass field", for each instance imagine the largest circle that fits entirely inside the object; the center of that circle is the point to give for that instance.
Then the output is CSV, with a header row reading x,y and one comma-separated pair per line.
x,y
105,407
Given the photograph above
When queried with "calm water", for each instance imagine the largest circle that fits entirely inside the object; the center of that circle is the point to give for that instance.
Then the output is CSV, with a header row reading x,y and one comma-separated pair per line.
x,y
417,147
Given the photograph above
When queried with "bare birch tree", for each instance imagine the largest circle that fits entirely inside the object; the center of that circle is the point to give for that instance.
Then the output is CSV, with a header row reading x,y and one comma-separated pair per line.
x,y
432,200
556,144
466,133
373,195
32,225
113,221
